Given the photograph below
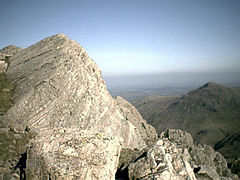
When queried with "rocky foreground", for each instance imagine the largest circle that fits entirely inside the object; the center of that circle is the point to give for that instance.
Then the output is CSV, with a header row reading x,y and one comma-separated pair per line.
x,y
66,125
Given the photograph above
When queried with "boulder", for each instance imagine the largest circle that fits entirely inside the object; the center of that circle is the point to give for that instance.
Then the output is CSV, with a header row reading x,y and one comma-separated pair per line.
x,y
207,163
162,161
181,138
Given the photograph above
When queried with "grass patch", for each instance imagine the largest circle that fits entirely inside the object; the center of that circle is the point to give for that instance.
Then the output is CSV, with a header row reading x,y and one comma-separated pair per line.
x,y
6,93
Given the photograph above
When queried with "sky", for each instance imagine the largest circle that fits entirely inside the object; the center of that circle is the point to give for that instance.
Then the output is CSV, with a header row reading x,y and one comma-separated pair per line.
x,y
127,37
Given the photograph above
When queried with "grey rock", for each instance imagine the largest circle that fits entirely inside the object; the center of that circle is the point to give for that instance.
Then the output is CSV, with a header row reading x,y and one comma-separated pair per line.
x,y
61,97
9,50
181,138
131,114
207,163
162,161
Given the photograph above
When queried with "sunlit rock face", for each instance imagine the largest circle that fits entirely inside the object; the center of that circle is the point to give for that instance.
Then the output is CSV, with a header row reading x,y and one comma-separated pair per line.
x,y
162,161
131,114
61,97
3,67
174,156
206,162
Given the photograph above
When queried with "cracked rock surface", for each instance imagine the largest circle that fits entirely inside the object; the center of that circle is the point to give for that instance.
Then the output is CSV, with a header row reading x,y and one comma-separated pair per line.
x,y
61,97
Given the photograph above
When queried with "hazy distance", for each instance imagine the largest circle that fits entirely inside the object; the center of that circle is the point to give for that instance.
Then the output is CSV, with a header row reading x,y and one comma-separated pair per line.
x,y
135,86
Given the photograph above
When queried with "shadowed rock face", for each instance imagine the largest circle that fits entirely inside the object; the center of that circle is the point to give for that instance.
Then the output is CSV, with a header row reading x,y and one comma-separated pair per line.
x,y
60,95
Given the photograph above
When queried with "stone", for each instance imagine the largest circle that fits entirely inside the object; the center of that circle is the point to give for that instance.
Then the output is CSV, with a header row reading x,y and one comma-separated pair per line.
x,y
70,152
180,138
206,162
9,51
131,114
79,129
162,161
174,156
3,67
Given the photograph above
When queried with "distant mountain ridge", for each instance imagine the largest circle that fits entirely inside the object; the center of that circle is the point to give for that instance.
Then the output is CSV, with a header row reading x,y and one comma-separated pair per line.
x,y
210,113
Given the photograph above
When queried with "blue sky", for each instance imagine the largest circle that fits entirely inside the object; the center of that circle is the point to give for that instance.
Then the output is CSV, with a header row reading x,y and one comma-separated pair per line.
x,y
134,37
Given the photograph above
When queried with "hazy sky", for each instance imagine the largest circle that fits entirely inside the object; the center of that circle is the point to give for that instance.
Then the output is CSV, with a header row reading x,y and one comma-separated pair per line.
x,y
134,36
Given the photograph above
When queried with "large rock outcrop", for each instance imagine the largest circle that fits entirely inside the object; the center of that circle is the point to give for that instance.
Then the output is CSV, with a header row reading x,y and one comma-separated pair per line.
x,y
162,161
61,98
207,163
174,156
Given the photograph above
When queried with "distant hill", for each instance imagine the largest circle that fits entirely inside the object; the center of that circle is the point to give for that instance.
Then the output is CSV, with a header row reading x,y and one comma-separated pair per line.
x,y
153,105
210,113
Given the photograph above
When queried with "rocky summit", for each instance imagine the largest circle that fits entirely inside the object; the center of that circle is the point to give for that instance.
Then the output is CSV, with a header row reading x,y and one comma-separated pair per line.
x,y
63,124
79,130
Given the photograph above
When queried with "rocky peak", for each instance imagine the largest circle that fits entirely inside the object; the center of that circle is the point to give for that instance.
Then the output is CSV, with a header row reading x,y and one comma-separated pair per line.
x,y
211,85
61,97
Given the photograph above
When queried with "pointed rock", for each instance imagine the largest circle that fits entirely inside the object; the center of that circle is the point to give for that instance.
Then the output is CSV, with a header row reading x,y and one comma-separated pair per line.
x,y
61,96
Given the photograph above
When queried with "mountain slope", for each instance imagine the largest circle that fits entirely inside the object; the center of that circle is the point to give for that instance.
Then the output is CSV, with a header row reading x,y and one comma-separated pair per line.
x,y
229,146
209,113
152,105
